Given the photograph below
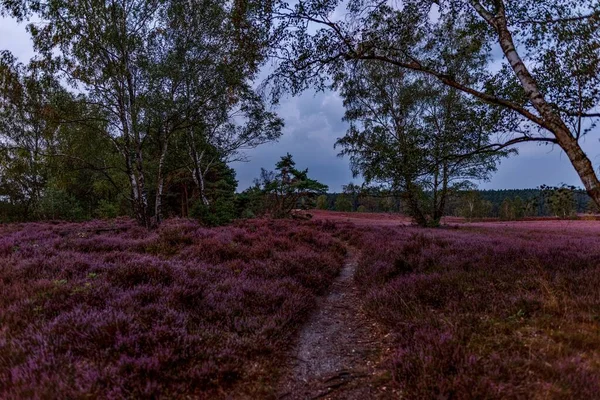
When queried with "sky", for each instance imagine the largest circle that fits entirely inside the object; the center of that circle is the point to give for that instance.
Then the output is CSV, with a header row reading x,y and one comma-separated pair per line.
x,y
313,123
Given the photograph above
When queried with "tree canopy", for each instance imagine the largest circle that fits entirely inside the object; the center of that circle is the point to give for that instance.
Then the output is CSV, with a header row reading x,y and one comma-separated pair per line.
x,y
546,89
169,86
288,188
416,136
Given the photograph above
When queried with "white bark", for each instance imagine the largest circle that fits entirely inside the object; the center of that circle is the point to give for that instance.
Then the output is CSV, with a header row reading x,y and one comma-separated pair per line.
x,y
551,119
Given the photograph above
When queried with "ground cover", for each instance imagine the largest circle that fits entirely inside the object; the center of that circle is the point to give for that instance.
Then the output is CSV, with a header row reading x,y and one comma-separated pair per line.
x,y
110,310
471,310
488,310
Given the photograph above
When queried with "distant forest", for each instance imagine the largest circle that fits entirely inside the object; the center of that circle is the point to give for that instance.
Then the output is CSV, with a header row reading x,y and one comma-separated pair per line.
x,y
485,203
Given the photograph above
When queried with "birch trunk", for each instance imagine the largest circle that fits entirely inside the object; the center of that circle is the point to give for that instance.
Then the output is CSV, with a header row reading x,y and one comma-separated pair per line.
x,y
160,183
552,120
197,173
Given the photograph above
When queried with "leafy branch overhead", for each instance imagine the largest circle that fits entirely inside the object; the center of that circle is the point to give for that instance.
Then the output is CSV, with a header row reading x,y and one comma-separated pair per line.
x,y
547,86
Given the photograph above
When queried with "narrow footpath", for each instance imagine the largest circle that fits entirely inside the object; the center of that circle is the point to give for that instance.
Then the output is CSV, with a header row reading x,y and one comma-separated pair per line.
x,y
338,352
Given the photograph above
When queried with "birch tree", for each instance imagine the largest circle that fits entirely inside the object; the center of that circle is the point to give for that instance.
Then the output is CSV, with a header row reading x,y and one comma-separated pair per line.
x,y
155,70
227,131
28,125
412,135
547,88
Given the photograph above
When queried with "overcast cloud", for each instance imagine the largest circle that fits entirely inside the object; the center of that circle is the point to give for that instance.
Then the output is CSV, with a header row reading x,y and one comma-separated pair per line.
x,y
313,122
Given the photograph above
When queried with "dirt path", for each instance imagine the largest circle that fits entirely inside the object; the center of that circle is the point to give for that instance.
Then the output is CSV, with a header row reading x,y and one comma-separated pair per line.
x,y
338,350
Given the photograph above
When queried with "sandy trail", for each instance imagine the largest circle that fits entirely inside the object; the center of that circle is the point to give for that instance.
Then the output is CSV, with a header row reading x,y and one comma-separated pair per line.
x,y
338,350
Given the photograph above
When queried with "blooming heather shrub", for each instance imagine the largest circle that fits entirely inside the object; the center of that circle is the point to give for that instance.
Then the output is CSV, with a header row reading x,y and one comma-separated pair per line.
x,y
488,310
106,310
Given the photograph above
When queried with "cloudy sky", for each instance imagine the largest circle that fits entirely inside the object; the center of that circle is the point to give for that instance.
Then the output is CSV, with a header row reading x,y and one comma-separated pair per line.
x,y
313,123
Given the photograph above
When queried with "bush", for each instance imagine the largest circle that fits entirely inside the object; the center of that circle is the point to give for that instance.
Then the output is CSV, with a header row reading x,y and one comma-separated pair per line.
x,y
249,203
343,203
247,214
58,204
106,210
322,203
219,212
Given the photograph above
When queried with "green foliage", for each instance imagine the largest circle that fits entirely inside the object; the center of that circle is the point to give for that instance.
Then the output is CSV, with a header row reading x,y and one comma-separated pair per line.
x,y
531,207
250,203
106,210
414,135
322,202
519,207
353,192
217,213
343,203
560,200
162,89
218,207
507,210
287,188
57,204
472,205
592,207
513,209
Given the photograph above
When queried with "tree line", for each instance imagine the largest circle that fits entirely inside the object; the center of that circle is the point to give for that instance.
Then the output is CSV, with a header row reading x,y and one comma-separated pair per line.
x,y
507,204
139,106
130,104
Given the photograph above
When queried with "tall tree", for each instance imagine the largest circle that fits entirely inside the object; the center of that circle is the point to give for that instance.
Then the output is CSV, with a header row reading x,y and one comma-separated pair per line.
x,y
547,89
354,192
287,187
560,200
155,70
225,134
28,125
471,205
414,135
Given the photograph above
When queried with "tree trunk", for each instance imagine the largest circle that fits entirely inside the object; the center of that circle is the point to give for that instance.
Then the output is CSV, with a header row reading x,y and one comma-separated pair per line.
x,y
160,183
132,152
202,188
440,206
553,121
414,206
197,173
131,175
137,202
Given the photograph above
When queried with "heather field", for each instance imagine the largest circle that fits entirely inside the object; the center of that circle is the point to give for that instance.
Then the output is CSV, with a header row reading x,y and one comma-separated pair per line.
x,y
471,310
108,310
488,310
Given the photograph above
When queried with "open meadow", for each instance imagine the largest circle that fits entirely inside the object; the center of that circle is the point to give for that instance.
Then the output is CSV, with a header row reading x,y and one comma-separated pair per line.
x,y
470,310
293,200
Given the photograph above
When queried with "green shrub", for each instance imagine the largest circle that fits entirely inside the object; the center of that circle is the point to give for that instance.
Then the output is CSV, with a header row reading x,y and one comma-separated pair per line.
x,y
247,214
106,210
219,212
58,204
322,203
343,203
